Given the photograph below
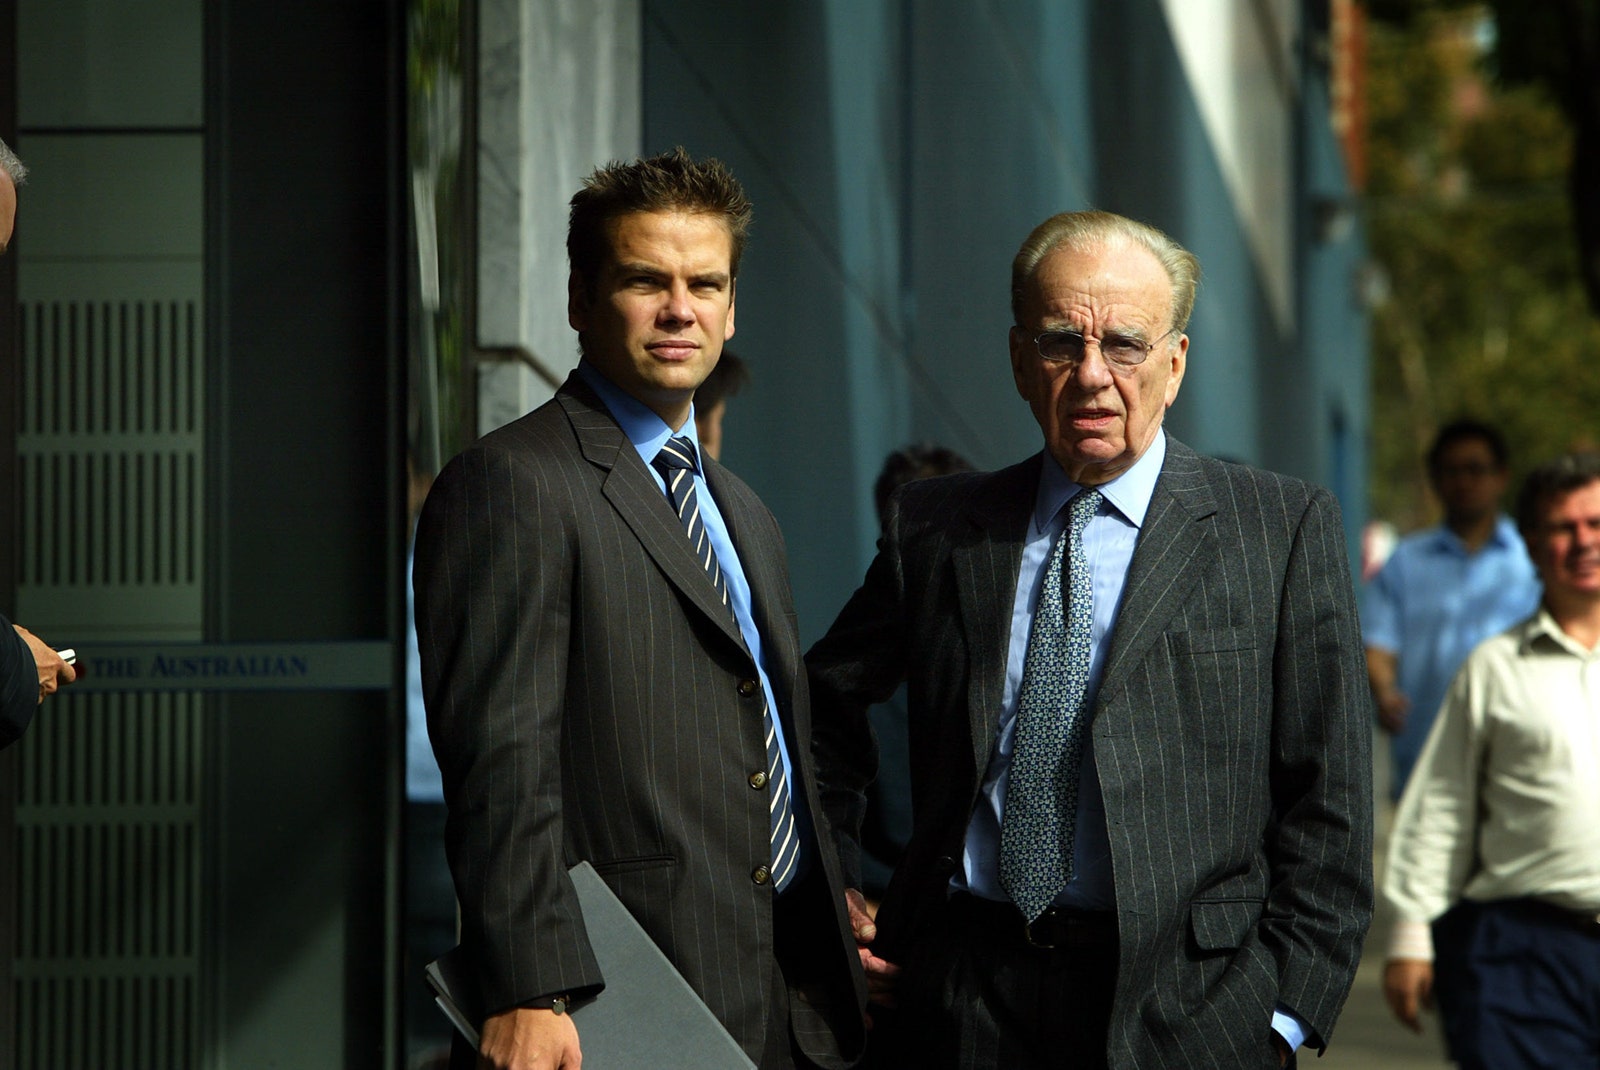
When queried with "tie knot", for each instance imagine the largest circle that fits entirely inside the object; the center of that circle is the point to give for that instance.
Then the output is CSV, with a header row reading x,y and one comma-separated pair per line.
x,y
1082,508
678,453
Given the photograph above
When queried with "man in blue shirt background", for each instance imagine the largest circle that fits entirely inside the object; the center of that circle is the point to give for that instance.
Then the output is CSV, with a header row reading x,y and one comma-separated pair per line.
x,y
1444,590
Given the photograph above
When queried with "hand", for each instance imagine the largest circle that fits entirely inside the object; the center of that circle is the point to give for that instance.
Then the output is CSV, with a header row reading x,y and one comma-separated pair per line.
x,y
1281,1046
1392,708
882,974
529,1038
53,672
1408,988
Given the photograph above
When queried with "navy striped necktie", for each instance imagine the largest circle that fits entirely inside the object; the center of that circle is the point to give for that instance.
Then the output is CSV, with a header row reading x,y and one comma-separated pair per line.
x,y
677,463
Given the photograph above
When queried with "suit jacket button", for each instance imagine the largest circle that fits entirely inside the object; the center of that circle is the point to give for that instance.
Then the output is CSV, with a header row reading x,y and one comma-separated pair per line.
x,y
758,779
748,687
945,864
761,875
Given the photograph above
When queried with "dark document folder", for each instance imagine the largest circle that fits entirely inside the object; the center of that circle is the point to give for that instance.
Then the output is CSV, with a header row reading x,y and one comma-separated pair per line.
x,y
646,1016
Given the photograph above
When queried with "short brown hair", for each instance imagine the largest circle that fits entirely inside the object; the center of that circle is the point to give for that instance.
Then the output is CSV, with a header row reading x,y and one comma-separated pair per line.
x,y
1078,230
672,181
1551,480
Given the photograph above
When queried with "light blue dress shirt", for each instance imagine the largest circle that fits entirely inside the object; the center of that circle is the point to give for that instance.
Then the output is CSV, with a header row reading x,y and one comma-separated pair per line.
x,y
1430,604
648,433
1108,542
424,783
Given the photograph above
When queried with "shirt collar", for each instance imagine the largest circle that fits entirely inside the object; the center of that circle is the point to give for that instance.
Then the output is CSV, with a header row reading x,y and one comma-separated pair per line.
x,y
1130,492
1505,532
1543,625
1504,536
647,431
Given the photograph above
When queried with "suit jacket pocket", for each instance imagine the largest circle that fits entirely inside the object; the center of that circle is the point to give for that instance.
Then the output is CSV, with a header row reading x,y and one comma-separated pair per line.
x,y
1223,924
621,866
1211,640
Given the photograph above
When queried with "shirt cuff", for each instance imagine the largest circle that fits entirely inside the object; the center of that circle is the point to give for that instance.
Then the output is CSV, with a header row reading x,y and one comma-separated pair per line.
x,y
1411,940
1290,1026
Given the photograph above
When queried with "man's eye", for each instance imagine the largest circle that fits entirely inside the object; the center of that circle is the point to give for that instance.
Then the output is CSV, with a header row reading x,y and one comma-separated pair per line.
x,y
1114,345
1061,345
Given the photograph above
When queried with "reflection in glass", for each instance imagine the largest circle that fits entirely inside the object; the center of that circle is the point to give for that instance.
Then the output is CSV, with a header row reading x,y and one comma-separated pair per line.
x,y
436,428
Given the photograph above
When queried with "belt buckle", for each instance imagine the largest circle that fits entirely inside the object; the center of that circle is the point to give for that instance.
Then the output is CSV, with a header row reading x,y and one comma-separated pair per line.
x,y
1027,931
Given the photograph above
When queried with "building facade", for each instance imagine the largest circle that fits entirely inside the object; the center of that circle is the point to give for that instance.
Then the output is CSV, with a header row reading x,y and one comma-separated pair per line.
x,y
276,262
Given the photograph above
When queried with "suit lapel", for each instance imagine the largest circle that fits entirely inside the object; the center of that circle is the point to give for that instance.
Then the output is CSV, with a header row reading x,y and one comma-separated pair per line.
x,y
630,489
986,567
1176,537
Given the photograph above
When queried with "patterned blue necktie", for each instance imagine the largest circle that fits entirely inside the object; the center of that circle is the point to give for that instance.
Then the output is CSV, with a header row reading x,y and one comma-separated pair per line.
x,y
1041,805
677,464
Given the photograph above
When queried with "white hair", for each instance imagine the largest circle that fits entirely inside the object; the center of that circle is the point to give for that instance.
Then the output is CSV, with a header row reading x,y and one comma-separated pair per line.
x,y
11,165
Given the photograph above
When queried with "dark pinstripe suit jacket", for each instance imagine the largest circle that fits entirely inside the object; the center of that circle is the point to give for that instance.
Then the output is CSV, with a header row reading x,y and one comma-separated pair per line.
x,y
1231,735
583,687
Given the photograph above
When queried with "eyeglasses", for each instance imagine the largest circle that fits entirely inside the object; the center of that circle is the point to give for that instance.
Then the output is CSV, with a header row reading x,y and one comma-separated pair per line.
x,y
1119,350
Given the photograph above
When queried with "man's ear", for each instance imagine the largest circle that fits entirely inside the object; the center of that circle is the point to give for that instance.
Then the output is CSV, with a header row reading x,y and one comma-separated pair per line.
x,y
577,302
733,291
1180,364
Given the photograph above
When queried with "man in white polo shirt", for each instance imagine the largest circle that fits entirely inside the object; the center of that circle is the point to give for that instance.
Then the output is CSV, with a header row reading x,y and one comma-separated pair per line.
x,y
1497,842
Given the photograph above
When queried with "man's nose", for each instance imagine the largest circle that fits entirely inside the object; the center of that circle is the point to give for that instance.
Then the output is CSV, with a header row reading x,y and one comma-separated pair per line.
x,y
677,308
1092,372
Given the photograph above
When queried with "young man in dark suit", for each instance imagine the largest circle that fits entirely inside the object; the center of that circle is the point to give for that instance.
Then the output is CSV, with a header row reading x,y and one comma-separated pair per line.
x,y
612,669
1138,714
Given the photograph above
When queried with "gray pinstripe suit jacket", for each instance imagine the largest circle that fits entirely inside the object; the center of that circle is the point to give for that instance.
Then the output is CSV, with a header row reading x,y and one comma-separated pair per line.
x,y
1231,734
583,688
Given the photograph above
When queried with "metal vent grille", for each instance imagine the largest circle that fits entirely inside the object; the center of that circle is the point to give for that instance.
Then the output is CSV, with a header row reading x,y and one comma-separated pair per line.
x,y
108,867
110,439
109,858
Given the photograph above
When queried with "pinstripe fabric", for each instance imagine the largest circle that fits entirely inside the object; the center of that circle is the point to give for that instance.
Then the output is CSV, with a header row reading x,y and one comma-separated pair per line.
x,y
583,690
1231,736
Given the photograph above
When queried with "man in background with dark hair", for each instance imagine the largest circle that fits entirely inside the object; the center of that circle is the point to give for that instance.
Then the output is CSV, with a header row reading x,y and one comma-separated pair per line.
x,y
612,671
1444,590
730,376
29,668
886,826
1497,842
921,461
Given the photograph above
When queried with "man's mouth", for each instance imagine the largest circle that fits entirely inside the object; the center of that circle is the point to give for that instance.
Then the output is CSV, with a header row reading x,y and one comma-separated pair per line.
x,y
673,349
1092,419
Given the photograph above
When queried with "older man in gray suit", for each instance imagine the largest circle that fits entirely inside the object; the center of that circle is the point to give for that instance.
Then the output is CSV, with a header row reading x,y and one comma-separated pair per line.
x,y
1138,714
612,669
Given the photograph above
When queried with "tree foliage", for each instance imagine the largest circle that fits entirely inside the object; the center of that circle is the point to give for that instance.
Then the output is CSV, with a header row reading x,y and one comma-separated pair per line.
x,y
1470,218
